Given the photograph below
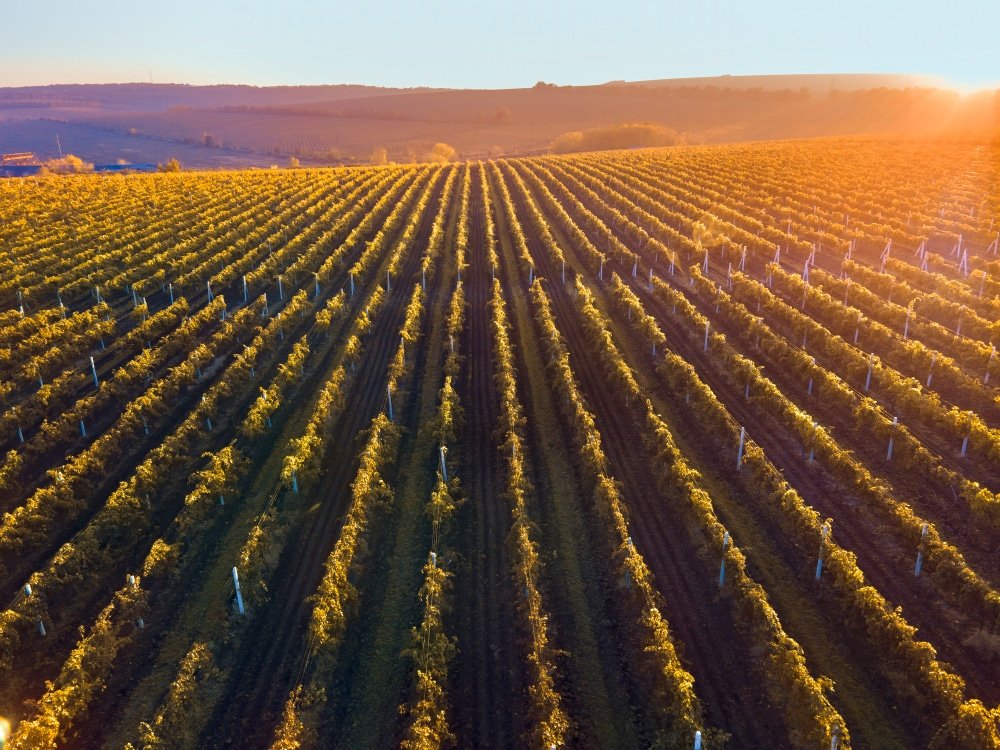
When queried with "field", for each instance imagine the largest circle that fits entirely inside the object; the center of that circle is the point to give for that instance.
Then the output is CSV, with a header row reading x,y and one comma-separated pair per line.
x,y
213,127
590,451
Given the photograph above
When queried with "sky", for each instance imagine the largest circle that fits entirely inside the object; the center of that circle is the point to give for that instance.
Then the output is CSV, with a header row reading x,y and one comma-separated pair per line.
x,y
469,44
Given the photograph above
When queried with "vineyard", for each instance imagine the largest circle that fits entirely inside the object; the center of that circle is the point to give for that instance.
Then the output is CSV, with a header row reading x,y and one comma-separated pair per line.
x,y
693,447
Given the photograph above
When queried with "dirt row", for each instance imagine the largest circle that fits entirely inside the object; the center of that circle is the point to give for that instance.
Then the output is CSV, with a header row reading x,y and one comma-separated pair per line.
x,y
488,670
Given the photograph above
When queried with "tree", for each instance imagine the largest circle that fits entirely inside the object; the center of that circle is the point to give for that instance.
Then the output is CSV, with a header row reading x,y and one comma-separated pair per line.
x,y
69,164
208,140
170,166
293,162
379,156
442,153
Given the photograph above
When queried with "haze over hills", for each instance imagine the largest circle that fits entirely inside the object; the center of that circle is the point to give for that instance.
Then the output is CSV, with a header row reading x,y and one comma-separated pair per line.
x,y
236,125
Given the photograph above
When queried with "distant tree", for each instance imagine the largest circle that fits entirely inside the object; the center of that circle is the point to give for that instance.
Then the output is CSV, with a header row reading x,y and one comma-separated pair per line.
x,y
208,140
442,153
502,115
69,164
293,162
623,135
379,156
170,166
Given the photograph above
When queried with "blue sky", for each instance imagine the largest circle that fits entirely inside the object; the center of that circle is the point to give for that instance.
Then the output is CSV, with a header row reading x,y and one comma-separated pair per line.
x,y
490,45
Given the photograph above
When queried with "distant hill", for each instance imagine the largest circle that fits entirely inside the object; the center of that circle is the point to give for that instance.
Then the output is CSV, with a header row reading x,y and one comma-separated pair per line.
x,y
817,83
231,125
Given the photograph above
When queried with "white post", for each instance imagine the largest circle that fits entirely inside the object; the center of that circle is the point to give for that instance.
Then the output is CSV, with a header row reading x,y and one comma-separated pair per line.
x,y
564,271
743,259
906,325
777,255
246,292
295,482
444,466
822,546
704,265
83,429
208,286
651,275
920,552
170,287
352,283
729,276
930,370
835,738
671,270
93,370
965,445
531,275
97,292
635,268
722,567
20,435
812,444
708,325
135,298
239,595
993,352
697,741
888,453
868,377
739,451
316,282
388,393
423,279
281,290
600,272
628,573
